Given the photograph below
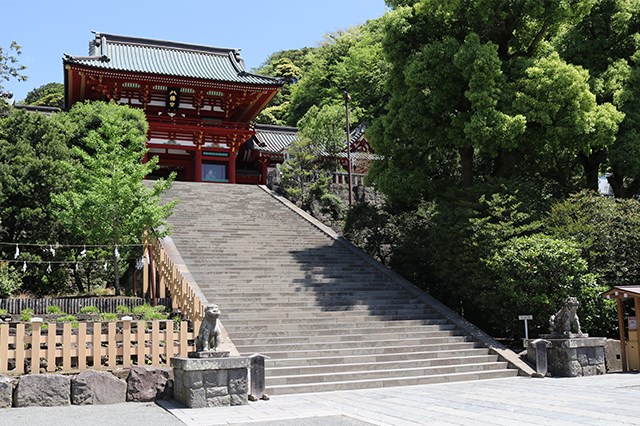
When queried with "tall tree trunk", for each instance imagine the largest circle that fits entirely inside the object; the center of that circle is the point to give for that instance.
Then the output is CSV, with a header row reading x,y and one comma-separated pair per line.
x,y
77,279
505,164
466,163
591,165
616,180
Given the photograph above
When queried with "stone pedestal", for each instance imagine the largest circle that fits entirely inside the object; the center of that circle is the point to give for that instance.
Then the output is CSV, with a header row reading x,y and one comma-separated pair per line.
x,y
210,382
573,357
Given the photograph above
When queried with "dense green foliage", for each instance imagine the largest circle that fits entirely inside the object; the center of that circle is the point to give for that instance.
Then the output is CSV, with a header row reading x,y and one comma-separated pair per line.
x,y
290,66
350,60
498,111
50,94
108,202
306,174
33,165
73,178
470,92
10,68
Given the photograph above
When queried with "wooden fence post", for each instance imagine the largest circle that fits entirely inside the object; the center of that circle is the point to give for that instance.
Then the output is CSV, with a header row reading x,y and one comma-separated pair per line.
x,y
4,348
36,325
126,341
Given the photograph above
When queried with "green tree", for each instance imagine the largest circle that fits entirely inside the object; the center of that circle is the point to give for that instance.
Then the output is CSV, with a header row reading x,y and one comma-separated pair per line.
x,y
314,157
605,43
289,65
481,81
50,94
10,68
33,158
350,60
108,203
534,275
608,232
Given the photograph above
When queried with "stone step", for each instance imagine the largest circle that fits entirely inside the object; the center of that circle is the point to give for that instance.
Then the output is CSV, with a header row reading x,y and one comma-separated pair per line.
x,y
327,318
375,358
306,325
390,382
320,311
360,350
345,331
284,340
320,315
344,344
306,303
384,374
245,319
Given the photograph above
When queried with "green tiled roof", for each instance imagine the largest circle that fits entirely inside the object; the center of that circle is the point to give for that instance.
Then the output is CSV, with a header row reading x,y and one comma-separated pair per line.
x,y
122,53
277,139
274,139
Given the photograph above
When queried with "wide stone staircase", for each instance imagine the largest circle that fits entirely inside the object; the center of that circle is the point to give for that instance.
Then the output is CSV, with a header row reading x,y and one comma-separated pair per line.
x,y
327,316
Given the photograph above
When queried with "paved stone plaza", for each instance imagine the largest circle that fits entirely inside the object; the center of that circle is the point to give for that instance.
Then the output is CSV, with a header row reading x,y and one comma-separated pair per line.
x,y
598,400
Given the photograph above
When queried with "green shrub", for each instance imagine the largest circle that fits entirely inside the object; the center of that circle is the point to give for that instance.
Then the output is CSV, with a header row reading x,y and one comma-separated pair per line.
x,y
152,315
26,314
69,318
54,310
89,310
10,280
534,275
608,232
109,316
142,309
4,311
122,309
159,308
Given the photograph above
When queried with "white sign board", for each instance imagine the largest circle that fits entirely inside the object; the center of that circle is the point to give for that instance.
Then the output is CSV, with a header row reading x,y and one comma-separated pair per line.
x,y
525,317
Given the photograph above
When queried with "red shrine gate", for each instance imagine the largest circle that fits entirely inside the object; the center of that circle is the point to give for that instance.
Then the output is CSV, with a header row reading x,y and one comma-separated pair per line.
x,y
199,102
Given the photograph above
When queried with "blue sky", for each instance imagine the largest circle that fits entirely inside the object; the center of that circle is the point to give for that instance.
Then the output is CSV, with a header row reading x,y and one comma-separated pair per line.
x,y
48,28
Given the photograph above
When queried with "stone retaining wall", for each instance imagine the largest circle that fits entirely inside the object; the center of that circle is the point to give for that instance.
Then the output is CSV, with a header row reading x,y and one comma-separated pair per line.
x,y
137,384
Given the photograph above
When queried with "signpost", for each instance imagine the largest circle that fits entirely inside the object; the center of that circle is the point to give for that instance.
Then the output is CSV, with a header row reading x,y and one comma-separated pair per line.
x,y
526,318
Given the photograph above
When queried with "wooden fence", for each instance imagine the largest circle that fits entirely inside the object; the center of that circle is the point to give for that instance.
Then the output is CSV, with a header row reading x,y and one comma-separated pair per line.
x,y
73,305
61,347
57,347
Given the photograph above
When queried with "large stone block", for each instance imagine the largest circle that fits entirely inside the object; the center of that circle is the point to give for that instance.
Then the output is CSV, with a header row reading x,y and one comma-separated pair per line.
x,y
573,357
97,387
146,384
210,382
43,390
613,356
6,391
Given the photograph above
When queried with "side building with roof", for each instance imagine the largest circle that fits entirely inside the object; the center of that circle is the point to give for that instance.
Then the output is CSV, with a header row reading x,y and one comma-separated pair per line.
x,y
199,102
272,143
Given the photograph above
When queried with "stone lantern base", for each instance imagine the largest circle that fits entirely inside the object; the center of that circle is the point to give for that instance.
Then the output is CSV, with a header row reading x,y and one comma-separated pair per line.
x,y
210,382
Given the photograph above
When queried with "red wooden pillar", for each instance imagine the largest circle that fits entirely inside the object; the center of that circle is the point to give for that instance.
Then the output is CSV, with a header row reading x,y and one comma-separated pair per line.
x,y
198,174
232,166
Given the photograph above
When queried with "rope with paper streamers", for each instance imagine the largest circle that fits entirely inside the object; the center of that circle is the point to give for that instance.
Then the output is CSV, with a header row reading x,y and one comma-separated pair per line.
x,y
51,248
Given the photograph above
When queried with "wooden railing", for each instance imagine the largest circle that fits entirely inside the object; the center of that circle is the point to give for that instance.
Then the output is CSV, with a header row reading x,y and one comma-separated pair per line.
x,y
174,279
59,347
343,178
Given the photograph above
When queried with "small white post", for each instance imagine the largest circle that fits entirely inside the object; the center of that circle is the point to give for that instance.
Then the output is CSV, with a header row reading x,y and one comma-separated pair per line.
x,y
526,319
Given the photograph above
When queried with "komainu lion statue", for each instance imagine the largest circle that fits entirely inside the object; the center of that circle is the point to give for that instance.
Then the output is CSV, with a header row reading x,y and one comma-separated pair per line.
x,y
209,334
561,323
